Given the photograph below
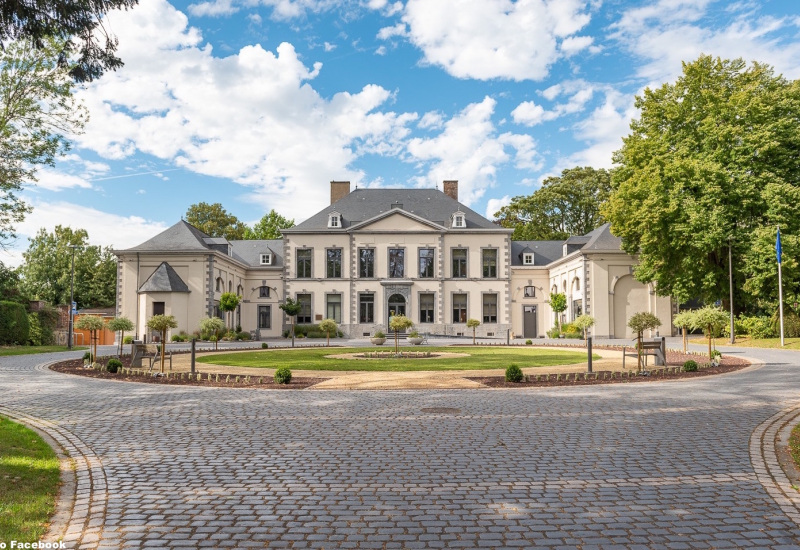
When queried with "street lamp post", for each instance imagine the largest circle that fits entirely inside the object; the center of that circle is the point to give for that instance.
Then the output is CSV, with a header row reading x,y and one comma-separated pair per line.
x,y
730,283
71,296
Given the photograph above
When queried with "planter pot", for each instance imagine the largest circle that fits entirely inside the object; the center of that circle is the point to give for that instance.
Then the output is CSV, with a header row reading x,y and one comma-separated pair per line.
x,y
415,341
377,341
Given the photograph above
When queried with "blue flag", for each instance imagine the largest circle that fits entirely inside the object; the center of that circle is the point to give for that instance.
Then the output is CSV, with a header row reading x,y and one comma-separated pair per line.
x,y
778,245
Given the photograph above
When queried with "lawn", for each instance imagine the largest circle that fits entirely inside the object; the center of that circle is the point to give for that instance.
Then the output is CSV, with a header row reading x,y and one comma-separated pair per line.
x,y
30,350
747,342
29,478
479,358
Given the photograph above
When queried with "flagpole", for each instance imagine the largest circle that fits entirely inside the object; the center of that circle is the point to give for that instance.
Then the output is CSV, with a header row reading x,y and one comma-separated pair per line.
x,y
780,279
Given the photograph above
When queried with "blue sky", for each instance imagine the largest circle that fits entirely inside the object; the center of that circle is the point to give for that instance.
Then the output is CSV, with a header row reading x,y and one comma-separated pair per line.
x,y
258,104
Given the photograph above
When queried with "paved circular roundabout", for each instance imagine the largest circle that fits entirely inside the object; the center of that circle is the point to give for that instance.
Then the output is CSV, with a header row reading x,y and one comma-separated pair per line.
x,y
657,465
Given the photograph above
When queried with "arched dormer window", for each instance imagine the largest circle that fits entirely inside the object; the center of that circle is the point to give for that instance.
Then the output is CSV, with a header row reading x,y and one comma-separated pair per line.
x,y
459,220
334,220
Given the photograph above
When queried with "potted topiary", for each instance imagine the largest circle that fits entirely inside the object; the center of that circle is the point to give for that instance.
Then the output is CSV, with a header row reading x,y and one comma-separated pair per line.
x,y
378,339
414,338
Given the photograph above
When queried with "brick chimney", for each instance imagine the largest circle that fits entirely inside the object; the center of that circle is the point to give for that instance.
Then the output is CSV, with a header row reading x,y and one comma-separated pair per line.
x,y
339,190
450,188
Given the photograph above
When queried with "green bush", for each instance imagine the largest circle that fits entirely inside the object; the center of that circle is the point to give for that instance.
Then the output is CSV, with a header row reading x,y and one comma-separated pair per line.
x,y
264,345
14,325
283,375
87,356
715,353
176,338
754,326
690,366
242,336
573,334
528,342
791,323
379,334
128,340
513,374
569,327
47,318
113,365
34,330
553,333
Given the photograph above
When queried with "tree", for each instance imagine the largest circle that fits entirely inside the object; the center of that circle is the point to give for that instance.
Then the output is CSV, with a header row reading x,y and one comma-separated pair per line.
x,y
565,205
215,221
162,323
77,23
93,324
46,271
37,109
398,323
684,320
710,320
327,326
228,301
210,326
121,325
473,324
640,322
291,309
584,322
711,162
558,303
268,227
10,285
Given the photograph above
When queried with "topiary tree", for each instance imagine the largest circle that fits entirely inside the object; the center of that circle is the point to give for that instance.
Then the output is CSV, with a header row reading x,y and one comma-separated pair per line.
x,y
291,309
93,324
327,326
558,303
211,326
710,320
640,322
162,323
228,301
398,323
584,322
473,324
121,325
684,320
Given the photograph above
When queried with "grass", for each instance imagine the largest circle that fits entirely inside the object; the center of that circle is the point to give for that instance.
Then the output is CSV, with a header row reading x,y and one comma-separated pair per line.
x,y
747,342
29,478
30,350
794,445
479,358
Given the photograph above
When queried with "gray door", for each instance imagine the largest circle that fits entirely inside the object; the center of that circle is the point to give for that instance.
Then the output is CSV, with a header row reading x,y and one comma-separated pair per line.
x,y
529,328
397,306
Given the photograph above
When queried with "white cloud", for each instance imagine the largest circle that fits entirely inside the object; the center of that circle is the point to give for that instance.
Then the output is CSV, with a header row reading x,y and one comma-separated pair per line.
x,y
496,38
431,119
531,114
397,30
53,180
388,8
494,205
329,47
575,44
212,8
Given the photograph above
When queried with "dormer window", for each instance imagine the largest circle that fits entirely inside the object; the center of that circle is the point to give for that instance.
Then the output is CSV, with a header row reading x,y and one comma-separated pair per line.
x,y
266,259
565,249
230,250
527,258
459,220
334,220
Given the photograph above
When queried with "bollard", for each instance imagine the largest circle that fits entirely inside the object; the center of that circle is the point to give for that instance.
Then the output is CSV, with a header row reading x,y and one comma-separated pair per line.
x,y
194,343
589,350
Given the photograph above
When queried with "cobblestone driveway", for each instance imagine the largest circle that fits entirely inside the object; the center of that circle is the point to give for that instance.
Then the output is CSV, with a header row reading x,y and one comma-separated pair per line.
x,y
662,465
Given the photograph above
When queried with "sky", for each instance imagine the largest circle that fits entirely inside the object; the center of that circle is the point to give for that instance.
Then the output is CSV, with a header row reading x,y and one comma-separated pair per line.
x,y
259,104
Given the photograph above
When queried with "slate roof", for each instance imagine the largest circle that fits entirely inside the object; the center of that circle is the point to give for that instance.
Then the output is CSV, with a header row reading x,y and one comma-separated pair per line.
x,y
544,252
364,204
547,252
182,236
164,279
603,240
249,252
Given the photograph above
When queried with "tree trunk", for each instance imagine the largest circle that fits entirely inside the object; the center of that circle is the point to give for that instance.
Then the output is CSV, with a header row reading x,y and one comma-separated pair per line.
x,y
473,336
292,331
683,330
329,339
396,343
639,352
163,348
709,343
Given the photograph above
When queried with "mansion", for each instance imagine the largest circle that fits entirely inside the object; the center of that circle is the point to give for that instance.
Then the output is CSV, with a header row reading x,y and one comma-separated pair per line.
x,y
376,252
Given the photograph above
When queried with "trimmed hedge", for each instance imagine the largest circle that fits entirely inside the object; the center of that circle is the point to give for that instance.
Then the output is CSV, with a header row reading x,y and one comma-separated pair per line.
x,y
14,325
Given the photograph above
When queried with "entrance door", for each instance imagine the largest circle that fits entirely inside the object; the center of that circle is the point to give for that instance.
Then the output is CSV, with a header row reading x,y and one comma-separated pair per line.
x,y
397,306
529,328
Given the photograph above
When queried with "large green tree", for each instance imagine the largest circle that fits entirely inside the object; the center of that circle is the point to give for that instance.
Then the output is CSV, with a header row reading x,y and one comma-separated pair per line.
x,y
45,273
712,160
565,205
268,227
215,221
37,111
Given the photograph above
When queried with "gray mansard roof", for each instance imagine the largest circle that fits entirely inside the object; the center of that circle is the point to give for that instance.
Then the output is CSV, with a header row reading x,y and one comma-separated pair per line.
x,y
547,252
364,204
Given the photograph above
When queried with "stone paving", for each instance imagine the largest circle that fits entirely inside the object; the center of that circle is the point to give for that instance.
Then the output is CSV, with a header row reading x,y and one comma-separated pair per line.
x,y
662,465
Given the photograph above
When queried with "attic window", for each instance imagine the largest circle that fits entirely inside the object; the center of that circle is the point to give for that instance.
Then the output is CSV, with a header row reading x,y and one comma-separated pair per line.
x,y
458,220
266,259
527,258
334,220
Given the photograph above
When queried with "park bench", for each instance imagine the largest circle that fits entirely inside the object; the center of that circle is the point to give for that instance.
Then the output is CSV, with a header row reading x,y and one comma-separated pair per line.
x,y
150,353
656,348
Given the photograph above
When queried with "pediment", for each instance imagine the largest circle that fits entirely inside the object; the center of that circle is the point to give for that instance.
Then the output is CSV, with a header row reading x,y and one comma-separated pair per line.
x,y
398,221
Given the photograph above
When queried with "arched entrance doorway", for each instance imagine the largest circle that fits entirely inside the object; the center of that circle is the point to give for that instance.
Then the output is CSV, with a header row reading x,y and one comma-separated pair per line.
x,y
397,306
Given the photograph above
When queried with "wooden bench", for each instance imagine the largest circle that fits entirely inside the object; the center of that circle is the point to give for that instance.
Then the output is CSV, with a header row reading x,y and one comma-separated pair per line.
x,y
656,348
149,352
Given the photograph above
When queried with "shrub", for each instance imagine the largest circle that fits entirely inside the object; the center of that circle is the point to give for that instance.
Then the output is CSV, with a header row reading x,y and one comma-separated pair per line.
x,y
283,375
264,345
716,353
553,333
113,365
128,340
528,342
34,330
513,374
176,338
690,366
87,356
791,323
572,334
413,334
14,326
242,335
379,334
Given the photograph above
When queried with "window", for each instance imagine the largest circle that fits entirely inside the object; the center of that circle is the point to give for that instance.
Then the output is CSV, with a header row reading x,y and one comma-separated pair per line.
x,y
426,305
230,286
219,284
334,220
304,263
266,259
527,258
489,259
490,308
576,284
158,308
218,311
333,307
459,263
397,263
366,308
305,308
426,265
334,263
459,308
264,316
263,292
577,309
366,262
458,220
530,292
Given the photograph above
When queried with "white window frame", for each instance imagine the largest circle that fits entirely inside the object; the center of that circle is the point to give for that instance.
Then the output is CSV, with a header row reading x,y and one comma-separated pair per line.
x,y
266,258
334,220
527,258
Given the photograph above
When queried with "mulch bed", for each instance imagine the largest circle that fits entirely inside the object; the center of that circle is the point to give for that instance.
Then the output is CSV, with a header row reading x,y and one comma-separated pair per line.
x,y
75,366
